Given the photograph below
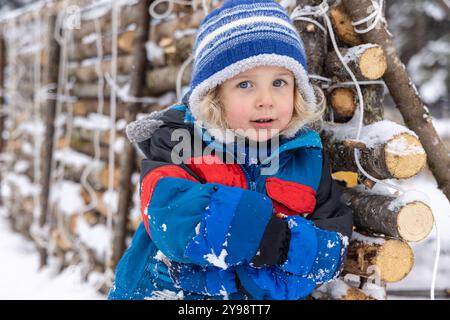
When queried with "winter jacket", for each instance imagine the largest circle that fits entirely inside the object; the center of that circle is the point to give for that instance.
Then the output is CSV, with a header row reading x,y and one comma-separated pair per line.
x,y
225,231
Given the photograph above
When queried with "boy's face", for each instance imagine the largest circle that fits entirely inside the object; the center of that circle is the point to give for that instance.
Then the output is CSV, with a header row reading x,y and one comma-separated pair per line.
x,y
259,101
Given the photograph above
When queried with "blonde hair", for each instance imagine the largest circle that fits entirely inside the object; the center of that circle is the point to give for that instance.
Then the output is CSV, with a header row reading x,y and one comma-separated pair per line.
x,y
213,112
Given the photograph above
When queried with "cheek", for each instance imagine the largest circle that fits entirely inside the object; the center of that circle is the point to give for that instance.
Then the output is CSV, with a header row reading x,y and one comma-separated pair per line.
x,y
288,111
235,112
235,116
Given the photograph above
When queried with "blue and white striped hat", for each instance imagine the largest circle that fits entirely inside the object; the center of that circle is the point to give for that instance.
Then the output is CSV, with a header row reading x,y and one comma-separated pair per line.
x,y
241,35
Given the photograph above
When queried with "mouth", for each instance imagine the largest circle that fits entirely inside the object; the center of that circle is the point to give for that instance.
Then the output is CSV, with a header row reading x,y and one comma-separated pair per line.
x,y
263,120
263,123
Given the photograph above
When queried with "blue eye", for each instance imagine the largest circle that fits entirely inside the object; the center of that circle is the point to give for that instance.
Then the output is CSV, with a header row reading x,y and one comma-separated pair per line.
x,y
240,84
278,81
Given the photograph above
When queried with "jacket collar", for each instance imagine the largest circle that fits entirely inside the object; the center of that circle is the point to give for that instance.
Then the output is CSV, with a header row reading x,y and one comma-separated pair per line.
x,y
304,138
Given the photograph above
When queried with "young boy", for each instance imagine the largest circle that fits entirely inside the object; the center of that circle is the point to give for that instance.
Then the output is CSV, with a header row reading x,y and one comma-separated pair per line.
x,y
219,229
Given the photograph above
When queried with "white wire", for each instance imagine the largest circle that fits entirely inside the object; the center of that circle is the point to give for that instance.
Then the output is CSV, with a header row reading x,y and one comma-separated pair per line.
x,y
321,27
100,87
180,75
436,261
350,84
376,15
315,76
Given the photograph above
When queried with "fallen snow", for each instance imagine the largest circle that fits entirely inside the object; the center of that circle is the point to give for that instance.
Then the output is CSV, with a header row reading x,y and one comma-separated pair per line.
x,y
368,240
67,197
372,135
95,237
21,278
77,159
355,52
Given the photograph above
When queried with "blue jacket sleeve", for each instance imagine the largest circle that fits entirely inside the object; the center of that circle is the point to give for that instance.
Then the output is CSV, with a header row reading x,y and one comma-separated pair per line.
x,y
207,224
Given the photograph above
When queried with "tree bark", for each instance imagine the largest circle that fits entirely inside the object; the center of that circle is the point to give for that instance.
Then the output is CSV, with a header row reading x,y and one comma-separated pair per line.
x,y
406,97
50,110
373,96
2,103
380,214
129,154
342,26
314,40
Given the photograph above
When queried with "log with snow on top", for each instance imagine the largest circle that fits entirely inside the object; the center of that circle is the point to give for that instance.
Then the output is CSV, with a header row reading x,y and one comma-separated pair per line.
x,y
127,16
87,147
76,164
102,201
168,28
162,80
388,150
87,70
366,61
384,259
87,48
83,107
408,217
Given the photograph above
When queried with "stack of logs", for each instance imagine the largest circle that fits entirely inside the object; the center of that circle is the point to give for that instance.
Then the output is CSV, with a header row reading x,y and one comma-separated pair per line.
x,y
383,223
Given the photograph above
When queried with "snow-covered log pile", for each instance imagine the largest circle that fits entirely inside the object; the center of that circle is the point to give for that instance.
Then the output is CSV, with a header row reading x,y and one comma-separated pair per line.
x,y
384,221
93,52
93,194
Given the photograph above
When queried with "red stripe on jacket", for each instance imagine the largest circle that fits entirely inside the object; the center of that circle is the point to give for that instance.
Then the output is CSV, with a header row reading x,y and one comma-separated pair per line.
x,y
212,169
151,179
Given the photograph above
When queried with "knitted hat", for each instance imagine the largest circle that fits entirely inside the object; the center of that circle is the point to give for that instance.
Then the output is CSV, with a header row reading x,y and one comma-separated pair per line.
x,y
241,35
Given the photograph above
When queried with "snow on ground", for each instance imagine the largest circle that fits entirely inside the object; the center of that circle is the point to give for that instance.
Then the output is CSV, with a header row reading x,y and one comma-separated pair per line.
x,y
21,279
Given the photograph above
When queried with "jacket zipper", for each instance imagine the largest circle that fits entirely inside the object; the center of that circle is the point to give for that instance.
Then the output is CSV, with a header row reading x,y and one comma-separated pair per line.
x,y
251,184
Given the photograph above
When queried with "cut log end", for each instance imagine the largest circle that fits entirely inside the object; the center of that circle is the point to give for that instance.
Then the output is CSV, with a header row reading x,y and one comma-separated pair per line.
x,y
342,25
343,101
373,63
388,260
395,260
405,156
355,294
415,221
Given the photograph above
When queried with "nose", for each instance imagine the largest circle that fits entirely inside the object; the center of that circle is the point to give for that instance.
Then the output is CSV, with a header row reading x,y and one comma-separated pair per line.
x,y
265,99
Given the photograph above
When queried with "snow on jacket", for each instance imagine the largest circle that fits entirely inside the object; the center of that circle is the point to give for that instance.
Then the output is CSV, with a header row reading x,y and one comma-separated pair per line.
x,y
214,231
